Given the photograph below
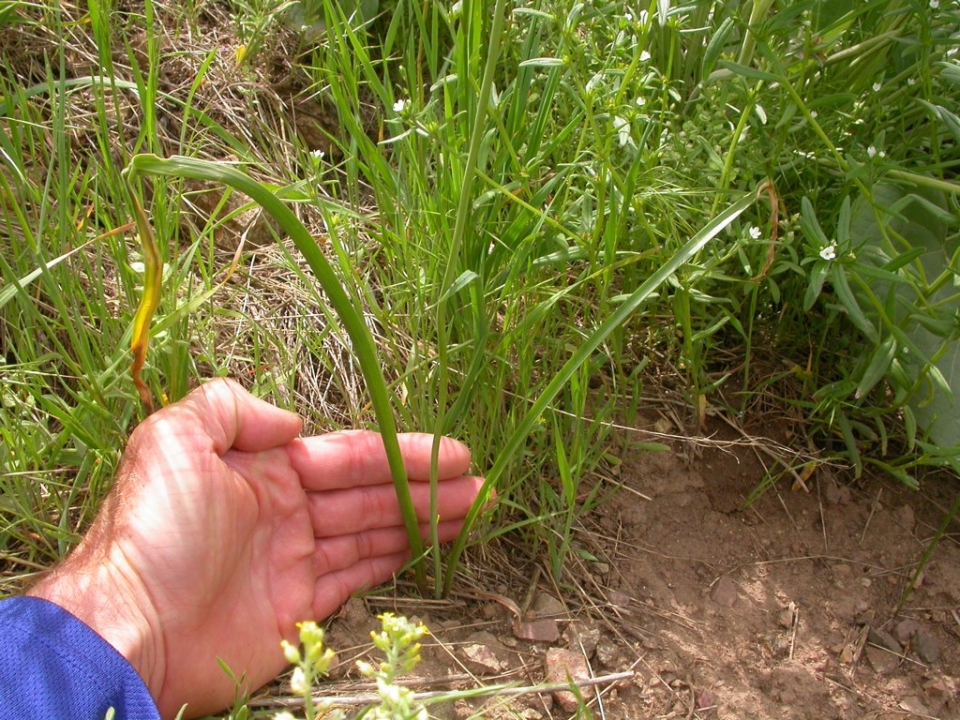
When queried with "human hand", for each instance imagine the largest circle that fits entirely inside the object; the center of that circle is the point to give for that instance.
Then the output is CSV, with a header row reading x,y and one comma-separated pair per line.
x,y
224,529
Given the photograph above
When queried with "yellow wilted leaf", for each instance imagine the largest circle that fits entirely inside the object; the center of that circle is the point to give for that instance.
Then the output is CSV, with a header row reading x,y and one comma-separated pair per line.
x,y
152,278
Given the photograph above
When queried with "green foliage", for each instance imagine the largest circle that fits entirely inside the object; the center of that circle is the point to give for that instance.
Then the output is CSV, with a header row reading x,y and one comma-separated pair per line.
x,y
537,203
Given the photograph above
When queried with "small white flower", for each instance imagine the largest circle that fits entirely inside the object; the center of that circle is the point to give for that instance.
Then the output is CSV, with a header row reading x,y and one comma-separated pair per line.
x,y
298,682
829,252
813,114
593,82
877,86
317,154
644,56
872,151
628,16
911,81
641,101
934,4
644,17
622,128
399,106
754,232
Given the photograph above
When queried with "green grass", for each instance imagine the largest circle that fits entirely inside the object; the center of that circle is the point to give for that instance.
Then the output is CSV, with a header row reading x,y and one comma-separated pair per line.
x,y
534,205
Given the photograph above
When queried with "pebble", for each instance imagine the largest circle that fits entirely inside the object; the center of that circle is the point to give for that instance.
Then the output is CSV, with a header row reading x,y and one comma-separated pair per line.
x,y
545,631
560,666
582,636
480,659
881,661
927,648
905,630
906,517
600,568
913,705
885,640
608,655
546,605
724,593
618,599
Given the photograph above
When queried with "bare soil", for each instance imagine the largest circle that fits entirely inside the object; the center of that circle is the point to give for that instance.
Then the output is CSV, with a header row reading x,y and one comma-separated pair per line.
x,y
786,609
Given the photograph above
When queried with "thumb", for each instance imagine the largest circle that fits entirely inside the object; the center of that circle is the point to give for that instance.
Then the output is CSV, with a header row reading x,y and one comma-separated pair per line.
x,y
233,418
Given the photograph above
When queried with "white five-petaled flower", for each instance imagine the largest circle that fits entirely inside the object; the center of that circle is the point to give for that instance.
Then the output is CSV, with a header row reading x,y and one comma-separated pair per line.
x,y
622,128
829,252
399,106
872,151
641,102
754,232
877,86
934,4
644,56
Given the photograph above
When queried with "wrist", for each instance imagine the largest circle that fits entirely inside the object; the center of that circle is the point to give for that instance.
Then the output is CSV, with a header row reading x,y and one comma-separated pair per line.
x,y
109,598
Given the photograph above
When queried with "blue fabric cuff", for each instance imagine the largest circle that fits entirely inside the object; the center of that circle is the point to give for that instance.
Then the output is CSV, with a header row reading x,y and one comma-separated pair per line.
x,y
52,665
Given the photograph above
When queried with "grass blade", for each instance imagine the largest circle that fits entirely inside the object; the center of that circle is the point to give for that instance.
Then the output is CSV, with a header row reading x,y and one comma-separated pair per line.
x,y
341,301
582,355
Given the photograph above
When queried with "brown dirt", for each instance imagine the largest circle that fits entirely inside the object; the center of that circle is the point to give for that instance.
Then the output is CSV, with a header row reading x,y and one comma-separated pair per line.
x,y
717,611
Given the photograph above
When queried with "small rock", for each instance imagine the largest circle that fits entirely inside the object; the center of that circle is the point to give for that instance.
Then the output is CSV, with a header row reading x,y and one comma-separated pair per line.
x,y
600,568
831,492
724,593
885,640
480,659
706,699
561,666
882,661
618,599
847,654
841,569
905,630
608,655
785,618
546,605
927,648
913,705
583,637
545,631
906,518
936,688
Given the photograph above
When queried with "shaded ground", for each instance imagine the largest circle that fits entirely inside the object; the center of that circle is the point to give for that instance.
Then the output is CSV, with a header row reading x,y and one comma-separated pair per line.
x,y
784,610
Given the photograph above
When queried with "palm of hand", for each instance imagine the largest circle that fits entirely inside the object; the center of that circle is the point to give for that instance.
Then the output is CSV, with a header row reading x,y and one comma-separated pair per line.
x,y
224,529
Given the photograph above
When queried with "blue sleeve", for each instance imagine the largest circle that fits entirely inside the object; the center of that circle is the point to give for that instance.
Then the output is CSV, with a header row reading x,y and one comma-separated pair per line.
x,y
54,666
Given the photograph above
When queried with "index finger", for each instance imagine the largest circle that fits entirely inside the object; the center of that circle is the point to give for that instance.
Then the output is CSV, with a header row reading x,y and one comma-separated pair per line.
x,y
357,457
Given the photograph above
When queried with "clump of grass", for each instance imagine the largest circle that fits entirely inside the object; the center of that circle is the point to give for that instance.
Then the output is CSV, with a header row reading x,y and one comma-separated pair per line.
x,y
534,205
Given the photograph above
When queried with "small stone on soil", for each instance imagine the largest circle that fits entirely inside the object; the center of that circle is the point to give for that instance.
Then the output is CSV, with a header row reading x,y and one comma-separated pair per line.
x,y
546,605
724,593
545,631
927,648
913,705
608,655
881,661
618,599
561,666
905,630
885,640
480,659
582,636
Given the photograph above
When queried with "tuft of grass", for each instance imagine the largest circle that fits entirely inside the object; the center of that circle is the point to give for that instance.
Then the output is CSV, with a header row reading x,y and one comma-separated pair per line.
x,y
538,205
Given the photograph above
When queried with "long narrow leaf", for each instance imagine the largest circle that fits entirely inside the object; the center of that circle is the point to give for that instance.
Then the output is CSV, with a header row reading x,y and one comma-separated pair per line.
x,y
345,308
630,305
